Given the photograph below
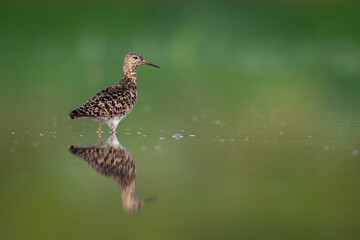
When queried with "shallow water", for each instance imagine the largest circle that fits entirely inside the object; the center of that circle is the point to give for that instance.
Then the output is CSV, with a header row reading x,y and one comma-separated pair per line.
x,y
245,132
220,179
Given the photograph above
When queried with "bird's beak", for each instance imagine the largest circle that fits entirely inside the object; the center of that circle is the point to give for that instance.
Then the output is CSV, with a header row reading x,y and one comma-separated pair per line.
x,y
149,63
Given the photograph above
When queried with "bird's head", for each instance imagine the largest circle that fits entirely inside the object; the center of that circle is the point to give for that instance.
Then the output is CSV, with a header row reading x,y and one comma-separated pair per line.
x,y
133,59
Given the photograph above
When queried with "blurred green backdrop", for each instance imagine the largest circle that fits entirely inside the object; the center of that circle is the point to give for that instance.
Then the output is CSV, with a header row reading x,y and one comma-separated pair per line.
x,y
270,89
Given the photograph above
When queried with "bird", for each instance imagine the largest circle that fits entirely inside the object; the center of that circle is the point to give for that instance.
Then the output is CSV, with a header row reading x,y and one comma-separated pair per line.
x,y
111,159
114,103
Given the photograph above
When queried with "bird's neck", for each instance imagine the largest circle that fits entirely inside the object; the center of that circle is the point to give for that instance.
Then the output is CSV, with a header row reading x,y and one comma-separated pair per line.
x,y
129,71
129,79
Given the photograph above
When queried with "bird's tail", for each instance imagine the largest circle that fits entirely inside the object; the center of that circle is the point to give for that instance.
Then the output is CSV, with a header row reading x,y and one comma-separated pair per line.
x,y
73,115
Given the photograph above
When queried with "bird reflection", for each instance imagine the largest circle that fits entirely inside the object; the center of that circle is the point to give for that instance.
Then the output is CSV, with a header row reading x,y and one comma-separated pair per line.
x,y
111,159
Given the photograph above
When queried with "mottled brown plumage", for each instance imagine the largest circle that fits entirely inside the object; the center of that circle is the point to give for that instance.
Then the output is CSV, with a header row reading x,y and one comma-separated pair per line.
x,y
113,160
114,103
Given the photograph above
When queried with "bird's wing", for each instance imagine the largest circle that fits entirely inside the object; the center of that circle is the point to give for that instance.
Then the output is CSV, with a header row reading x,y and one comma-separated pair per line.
x,y
108,102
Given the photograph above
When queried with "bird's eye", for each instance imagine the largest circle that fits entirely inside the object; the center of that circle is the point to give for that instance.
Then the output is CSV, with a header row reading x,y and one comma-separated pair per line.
x,y
135,57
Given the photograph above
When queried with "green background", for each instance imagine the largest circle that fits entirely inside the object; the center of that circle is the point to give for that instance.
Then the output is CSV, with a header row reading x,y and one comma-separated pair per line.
x,y
269,89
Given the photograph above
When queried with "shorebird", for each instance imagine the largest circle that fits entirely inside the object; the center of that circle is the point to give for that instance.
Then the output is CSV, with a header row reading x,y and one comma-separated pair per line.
x,y
114,103
111,159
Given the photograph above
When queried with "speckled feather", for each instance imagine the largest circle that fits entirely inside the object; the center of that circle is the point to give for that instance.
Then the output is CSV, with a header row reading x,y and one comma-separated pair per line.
x,y
117,100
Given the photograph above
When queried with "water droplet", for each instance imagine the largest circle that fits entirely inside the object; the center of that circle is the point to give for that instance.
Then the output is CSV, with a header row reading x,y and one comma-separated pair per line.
x,y
12,133
138,132
81,135
161,138
192,135
194,119
177,136
41,134
309,137
326,147
127,133
246,138
217,122
143,148
157,147
281,132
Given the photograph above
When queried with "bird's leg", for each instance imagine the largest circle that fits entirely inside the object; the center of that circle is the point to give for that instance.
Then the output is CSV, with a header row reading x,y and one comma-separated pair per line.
x,y
113,131
100,130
